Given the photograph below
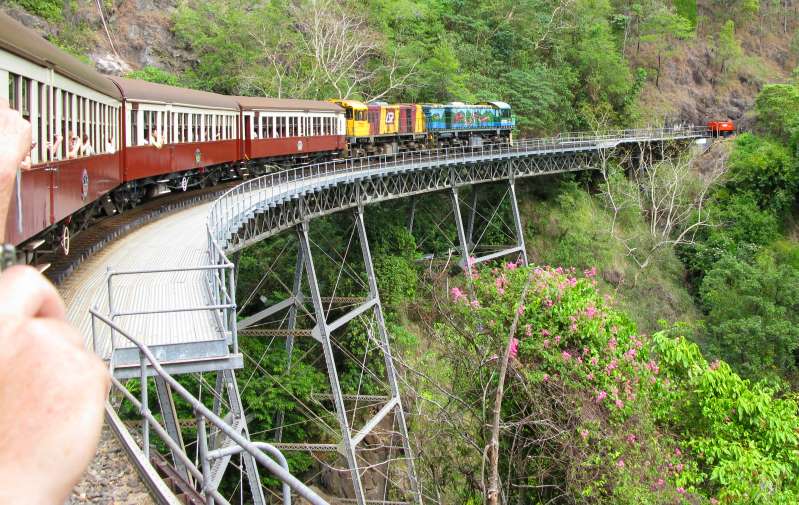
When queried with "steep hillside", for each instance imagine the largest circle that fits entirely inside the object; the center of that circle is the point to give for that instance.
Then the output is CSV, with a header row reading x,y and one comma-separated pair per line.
x,y
687,61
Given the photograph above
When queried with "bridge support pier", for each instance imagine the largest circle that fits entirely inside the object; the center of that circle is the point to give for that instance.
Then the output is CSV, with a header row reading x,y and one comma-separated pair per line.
x,y
462,240
168,412
226,386
378,334
466,235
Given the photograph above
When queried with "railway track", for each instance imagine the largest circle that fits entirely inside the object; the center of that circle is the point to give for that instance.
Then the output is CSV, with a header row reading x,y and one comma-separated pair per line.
x,y
108,229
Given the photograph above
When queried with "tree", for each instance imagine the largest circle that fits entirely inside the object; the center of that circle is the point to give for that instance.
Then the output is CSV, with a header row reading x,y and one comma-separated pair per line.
x,y
777,109
766,170
728,50
662,28
753,315
669,193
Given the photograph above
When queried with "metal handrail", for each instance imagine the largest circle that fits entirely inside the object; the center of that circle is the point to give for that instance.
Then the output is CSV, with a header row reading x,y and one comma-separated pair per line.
x,y
265,188
222,294
148,362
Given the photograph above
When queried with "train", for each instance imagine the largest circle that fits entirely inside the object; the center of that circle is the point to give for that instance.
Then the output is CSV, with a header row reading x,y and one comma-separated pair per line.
x,y
103,144
724,128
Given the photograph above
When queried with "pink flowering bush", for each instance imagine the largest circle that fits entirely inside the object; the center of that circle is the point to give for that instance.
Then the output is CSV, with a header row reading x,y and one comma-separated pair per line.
x,y
584,361
602,414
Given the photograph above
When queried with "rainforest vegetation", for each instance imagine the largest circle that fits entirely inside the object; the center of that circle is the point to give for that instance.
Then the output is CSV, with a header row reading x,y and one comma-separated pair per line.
x,y
649,360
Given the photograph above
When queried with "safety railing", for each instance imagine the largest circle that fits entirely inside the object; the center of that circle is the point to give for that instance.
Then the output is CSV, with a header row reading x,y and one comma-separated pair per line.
x,y
148,366
238,201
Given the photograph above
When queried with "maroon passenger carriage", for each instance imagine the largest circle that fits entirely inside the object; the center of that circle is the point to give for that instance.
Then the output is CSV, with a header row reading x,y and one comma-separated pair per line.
x,y
147,138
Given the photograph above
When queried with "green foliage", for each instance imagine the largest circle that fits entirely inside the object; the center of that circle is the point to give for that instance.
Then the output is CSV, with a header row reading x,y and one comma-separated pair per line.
x,y
156,75
745,440
766,170
728,49
777,109
752,316
51,10
686,9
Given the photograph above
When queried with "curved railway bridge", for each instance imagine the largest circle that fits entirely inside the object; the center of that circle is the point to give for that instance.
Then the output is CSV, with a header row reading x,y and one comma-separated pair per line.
x,y
161,305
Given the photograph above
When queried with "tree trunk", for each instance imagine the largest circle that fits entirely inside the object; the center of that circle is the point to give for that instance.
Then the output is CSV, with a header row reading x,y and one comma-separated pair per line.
x,y
492,493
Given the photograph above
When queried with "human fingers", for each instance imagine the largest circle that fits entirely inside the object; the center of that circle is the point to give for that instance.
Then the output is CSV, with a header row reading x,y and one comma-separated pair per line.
x,y
61,381
24,292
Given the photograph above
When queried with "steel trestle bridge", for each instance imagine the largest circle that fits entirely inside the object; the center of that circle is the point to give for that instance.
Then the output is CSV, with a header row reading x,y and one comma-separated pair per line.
x,y
177,317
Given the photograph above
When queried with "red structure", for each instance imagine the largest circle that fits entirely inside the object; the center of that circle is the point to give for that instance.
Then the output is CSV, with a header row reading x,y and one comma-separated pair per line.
x,y
721,128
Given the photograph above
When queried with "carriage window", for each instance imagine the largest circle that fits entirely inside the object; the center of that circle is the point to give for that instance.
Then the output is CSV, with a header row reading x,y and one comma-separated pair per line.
x,y
25,98
196,127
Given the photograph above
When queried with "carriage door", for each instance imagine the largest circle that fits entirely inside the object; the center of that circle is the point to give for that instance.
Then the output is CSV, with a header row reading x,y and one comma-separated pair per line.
x,y
248,135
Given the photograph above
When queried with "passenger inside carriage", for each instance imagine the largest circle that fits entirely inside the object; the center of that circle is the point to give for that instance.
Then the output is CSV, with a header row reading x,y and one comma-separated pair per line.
x,y
154,139
51,148
110,146
74,146
86,147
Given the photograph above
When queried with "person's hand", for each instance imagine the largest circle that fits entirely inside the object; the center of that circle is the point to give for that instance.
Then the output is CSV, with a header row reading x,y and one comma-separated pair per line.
x,y
52,393
15,142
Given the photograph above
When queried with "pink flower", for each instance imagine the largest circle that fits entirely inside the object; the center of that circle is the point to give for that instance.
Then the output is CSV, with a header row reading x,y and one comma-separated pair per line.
x,y
679,467
677,451
620,463
619,404
611,366
471,261
714,501
714,365
546,377
520,311
681,490
566,355
528,330
590,312
546,343
557,339
548,303
590,376
594,360
545,332
584,434
653,367
579,360
559,270
630,438
511,266
590,272
514,348
585,351
630,354
456,294
573,327
601,396
475,304
660,484
612,344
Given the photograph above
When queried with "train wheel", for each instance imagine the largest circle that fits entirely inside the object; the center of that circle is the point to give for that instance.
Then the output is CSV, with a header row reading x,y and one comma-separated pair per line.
x,y
64,242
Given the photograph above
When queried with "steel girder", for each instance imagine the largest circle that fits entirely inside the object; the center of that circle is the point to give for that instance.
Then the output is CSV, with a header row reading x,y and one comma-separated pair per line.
x,y
374,188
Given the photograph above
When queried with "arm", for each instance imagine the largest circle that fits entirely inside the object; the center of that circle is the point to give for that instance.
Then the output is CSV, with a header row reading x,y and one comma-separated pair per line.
x,y
15,141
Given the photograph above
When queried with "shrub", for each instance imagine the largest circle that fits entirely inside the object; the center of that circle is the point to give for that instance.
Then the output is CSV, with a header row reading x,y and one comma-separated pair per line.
x,y
766,170
752,315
